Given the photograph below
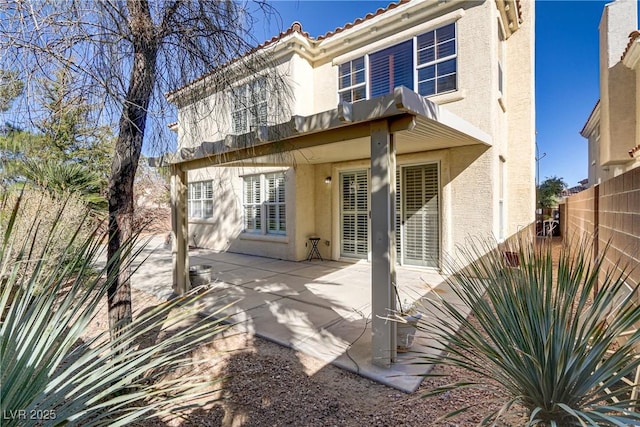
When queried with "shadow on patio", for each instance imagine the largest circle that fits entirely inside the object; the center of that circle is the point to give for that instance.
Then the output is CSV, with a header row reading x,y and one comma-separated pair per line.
x,y
322,309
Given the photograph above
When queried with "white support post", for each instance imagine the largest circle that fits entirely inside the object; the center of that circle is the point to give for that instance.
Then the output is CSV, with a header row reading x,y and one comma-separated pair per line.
x,y
179,231
383,245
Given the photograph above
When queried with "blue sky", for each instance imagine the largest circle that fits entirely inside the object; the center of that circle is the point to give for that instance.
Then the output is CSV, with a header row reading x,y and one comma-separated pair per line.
x,y
566,70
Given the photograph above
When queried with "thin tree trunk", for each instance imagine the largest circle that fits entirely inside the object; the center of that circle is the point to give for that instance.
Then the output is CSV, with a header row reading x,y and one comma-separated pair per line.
x,y
125,161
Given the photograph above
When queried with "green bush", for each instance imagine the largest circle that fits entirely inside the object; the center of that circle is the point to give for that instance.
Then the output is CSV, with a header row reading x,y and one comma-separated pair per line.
x,y
541,337
51,372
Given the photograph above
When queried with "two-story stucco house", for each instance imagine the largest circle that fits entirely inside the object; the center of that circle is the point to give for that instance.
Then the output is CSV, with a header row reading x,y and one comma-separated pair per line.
x,y
613,128
403,133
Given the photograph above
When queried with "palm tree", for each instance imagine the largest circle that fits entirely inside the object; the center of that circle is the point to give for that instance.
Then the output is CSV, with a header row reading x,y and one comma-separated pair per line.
x,y
61,179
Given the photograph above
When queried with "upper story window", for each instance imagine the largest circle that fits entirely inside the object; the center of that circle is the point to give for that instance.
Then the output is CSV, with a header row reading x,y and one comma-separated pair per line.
x,y
437,61
390,68
352,85
201,200
249,106
501,60
264,203
426,63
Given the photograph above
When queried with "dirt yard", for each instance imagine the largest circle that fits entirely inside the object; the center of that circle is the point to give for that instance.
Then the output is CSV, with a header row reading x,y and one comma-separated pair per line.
x,y
265,384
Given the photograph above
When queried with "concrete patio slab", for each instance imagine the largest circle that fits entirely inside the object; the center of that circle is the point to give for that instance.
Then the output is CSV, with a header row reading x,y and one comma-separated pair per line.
x,y
280,284
315,271
232,258
243,299
319,308
348,299
334,340
241,276
217,265
286,321
280,266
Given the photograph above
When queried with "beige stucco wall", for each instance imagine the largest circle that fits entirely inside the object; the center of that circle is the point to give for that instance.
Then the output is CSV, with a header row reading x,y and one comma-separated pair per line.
x,y
224,231
323,209
469,198
325,87
617,83
614,127
520,137
209,119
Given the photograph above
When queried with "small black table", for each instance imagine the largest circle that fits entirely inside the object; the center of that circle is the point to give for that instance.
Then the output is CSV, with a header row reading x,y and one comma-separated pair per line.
x,y
314,252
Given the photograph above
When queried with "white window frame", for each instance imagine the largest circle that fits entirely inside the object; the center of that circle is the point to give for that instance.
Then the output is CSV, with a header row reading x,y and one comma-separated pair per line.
x,y
262,224
197,196
255,224
416,66
247,101
502,213
436,61
501,67
351,88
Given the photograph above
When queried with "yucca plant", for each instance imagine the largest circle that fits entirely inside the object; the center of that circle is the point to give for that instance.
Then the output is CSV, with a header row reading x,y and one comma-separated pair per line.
x,y
53,374
545,338
63,178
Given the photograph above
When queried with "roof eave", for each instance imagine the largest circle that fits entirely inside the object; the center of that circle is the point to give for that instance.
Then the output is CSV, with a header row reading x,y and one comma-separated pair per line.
x,y
406,11
292,43
592,121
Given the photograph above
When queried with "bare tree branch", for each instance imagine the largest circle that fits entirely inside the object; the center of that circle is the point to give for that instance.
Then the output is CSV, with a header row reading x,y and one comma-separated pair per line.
x,y
125,55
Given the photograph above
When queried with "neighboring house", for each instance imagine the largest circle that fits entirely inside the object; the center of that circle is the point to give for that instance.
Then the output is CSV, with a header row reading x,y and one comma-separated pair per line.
x,y
582,185
613,128
407,131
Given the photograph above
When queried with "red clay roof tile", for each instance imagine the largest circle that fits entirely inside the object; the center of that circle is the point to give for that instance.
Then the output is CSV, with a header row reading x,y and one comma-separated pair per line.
x,y
632,37
296,27
359,21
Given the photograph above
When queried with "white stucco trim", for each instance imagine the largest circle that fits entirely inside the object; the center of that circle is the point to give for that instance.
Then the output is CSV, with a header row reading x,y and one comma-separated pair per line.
x,y
445,98
400,37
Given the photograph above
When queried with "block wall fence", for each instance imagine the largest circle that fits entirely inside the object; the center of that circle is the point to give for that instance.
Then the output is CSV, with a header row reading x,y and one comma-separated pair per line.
x,y
610,211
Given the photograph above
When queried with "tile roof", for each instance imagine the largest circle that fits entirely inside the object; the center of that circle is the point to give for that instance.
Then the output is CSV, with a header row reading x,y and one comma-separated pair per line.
x,y
296,27
359,21
632,37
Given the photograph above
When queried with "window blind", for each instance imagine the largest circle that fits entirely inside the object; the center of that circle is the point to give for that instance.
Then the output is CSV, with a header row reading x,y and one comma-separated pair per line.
x,y
421,229
390,68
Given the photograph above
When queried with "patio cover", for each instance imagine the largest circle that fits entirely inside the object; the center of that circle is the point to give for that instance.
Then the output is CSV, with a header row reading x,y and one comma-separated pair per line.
x,y
379,128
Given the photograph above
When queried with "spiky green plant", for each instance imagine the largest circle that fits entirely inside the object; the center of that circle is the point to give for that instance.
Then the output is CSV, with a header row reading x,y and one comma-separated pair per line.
x,y
52,373
545,338
63,178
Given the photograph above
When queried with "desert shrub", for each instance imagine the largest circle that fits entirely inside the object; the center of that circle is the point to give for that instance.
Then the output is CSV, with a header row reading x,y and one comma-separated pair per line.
x,y
44,225
51,371
547,338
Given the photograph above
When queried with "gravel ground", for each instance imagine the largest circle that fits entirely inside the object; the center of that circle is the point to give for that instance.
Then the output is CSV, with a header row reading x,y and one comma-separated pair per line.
x,y
265,384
